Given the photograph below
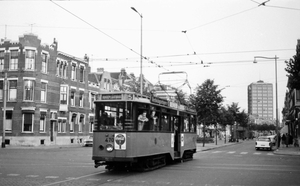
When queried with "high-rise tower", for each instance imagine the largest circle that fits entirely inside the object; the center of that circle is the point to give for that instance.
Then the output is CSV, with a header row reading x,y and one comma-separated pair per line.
x,y
260,101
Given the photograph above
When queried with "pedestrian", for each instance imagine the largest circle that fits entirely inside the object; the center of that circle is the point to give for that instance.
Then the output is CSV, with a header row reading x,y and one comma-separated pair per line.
x,y
283,139
278,140
287,140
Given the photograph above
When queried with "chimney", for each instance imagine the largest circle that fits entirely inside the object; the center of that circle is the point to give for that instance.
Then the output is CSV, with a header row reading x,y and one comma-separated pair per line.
x,y
86,58
100,70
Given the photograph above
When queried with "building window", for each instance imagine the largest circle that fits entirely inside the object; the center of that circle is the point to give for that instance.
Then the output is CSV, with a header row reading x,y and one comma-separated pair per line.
x,y
2,54
12,90
63,95
1,89
81,99
73,72
72,98
8,121
92,99
65,71
57,68
13,63
28,90
44,62
42,121
43,92
29,59
73,121
91,127
27,122
81,123
63,126
81,74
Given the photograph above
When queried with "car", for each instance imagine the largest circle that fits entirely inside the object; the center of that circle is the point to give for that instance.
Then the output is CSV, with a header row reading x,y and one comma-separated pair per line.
x,y
88,141
265,142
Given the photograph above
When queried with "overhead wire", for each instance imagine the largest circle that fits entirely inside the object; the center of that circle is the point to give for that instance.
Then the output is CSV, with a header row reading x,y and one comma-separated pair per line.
x,y
150,61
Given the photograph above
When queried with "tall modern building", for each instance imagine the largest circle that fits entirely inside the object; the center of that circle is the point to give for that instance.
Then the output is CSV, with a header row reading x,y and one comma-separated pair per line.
x,y
260,101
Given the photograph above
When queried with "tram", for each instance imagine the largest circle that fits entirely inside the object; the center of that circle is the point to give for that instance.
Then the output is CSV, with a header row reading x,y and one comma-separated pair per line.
x,y
139,132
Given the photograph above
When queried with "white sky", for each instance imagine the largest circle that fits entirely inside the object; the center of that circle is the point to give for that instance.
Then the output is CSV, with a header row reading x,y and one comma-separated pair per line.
x,y
227,33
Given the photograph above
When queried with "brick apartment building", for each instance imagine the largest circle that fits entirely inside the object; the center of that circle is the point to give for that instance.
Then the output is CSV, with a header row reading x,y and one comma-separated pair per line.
x,y
49,94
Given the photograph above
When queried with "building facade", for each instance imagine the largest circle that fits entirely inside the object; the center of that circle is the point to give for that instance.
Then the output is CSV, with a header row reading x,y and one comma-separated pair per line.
x,y
291,110
260,102
49,98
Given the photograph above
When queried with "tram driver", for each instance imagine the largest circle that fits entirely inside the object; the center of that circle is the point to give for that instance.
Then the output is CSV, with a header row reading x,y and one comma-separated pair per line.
x,y
142,119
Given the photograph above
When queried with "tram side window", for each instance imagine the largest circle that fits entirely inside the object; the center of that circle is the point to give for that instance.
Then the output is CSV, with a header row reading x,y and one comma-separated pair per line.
x,y
165,123
175,123
154,121
186,124
192,123
128,123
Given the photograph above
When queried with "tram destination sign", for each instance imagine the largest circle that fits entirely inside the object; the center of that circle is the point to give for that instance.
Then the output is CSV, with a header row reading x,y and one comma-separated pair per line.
x,y
111,97
159,101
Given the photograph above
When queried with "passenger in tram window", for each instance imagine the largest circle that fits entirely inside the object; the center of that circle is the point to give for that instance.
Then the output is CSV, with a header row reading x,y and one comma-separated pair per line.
x,y
164,123
153,121
105,118
142,119
175,124
186,125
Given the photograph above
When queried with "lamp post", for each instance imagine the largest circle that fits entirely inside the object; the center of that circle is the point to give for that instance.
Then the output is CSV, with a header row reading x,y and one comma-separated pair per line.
x,y
141,52
276,92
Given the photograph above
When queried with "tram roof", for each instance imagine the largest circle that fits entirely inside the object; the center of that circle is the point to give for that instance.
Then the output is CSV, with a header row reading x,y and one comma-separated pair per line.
x,y
132,96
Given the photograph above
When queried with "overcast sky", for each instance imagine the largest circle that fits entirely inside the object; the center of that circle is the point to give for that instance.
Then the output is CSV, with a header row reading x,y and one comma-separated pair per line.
x,y
177,35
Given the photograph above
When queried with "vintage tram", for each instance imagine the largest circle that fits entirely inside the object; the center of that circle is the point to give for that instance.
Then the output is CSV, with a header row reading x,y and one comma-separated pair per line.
x,y
135,131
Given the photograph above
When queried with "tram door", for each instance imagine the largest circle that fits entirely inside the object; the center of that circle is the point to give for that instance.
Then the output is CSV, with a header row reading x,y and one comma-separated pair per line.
x,y
176,125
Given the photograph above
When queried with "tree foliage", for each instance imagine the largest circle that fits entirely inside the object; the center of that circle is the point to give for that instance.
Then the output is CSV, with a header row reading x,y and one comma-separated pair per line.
x,y
293,70
207,101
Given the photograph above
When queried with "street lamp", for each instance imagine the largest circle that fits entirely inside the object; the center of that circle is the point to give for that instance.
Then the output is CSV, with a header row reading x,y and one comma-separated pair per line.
x,y
276,92
141,66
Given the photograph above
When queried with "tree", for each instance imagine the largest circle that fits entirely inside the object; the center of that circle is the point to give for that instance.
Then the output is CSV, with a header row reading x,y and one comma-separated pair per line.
x,y
242,119
293,70
207,102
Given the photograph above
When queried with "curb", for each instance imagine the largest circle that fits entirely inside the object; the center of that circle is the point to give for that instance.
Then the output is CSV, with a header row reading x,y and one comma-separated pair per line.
x,y
215,147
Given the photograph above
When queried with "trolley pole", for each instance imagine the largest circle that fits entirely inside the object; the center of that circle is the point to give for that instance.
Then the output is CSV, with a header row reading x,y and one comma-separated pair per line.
x,y
4,111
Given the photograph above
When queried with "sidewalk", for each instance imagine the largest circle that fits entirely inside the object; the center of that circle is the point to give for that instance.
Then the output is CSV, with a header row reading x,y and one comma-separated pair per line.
x,y
220,143
291,150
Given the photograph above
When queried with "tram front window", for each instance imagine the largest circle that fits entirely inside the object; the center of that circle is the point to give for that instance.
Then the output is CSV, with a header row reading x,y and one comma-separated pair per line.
x,y
110,116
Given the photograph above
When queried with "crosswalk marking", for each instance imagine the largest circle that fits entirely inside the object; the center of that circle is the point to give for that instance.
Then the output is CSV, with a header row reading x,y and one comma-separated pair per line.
x,y
53,177
217,151
13,174
32,176
241,153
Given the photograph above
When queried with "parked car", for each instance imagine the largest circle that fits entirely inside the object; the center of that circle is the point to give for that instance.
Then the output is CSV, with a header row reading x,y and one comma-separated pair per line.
x,y
88,141
265,142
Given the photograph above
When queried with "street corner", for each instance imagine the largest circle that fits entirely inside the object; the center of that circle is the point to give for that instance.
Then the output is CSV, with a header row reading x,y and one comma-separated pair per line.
x,y
287,151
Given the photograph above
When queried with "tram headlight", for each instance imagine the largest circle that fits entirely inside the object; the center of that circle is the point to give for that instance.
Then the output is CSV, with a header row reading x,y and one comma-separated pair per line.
x,y
109,148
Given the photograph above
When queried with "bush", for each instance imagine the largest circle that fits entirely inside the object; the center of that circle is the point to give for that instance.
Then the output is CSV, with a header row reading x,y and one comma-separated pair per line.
x,y
207,140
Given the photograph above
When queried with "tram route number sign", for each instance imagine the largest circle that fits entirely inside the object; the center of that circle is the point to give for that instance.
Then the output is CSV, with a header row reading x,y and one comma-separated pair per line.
x,y
120,141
